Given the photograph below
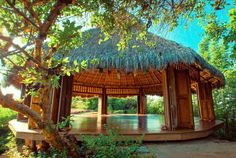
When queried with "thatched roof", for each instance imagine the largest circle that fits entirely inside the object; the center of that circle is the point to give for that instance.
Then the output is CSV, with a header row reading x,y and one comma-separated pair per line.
x,y
137,66
142,57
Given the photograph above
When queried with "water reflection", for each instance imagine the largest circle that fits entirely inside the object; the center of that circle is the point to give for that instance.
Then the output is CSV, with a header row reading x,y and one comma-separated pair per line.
x,y
123,123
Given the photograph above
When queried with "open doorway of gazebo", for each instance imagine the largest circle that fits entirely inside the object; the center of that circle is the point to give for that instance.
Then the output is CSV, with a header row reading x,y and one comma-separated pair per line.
x,y
118,105
81,105
122,114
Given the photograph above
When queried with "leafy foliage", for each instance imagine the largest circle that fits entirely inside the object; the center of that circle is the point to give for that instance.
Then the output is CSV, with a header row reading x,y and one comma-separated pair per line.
x,y
6,140
32,32
112,145
84,104
119,105
122,105
155,105
66,122
218,47
52,153
6,116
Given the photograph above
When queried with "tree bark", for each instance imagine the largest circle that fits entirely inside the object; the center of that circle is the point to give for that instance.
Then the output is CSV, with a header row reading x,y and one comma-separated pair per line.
x,y
42,121
49,130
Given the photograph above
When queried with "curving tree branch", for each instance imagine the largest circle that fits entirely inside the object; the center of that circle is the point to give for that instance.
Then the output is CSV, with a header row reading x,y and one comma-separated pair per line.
x,y
8,102
22,50
18,12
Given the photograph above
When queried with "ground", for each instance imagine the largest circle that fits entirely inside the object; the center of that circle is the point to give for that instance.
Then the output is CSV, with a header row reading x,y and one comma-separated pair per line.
x,y
203,148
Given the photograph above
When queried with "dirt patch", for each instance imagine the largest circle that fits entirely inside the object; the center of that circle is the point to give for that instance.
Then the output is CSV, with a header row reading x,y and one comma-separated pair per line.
x,y
204,148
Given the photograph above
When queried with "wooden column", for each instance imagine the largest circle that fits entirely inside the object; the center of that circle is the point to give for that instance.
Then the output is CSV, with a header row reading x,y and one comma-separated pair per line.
x,y
65,97
142,102
205,101
34,105
184,99
168,83
55,104
102,103
21,117
177,99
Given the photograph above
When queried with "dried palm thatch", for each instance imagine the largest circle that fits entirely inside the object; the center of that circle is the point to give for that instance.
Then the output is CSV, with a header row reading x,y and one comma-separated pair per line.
x,y
138,55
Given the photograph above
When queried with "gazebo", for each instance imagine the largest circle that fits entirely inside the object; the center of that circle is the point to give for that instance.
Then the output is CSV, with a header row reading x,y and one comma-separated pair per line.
x,y
166,69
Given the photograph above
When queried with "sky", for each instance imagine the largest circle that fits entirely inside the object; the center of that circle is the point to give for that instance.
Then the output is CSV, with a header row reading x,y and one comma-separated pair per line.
x,y
189,37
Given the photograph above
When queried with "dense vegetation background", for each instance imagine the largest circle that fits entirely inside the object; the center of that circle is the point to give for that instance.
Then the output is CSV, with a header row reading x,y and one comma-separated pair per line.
x,y
218,47
155,105
34,22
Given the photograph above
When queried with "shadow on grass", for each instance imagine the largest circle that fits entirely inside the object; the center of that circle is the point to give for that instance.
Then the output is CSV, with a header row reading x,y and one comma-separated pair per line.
x,y
6,138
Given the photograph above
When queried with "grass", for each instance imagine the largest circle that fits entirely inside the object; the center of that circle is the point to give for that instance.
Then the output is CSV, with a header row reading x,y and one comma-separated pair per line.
x,y
7,140
5,116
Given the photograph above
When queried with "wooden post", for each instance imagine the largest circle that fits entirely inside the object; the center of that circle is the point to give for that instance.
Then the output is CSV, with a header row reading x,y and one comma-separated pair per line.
x,y
142,102
102,103
168,83
27,101
55,104
205,101
34,105
177,99
184,99
65,97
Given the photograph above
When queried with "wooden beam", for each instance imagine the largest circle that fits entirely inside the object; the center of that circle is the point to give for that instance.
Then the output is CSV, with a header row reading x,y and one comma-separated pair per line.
x,y
65,97
205,102
34,105
115,86
142,102
177,99
102,103
27,101
168,95
154,76
55,104
184,99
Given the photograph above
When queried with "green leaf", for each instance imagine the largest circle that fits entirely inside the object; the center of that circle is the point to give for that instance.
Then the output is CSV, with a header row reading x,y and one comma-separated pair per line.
x,y
75,63
84,64
55,81
68,73
65,60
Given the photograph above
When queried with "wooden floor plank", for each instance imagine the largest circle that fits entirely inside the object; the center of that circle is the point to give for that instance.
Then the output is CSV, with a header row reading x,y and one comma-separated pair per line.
x,y
127,124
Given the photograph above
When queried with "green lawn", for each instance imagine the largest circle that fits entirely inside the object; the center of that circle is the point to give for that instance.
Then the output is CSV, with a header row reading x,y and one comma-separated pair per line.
x,y
7,140
5,116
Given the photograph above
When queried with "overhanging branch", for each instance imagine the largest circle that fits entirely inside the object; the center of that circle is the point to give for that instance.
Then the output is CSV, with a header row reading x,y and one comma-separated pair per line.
x,y
9,40
18,12
8,102
29,7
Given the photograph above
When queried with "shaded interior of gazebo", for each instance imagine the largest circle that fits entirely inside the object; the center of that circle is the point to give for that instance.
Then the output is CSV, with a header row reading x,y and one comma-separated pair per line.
x,y
175,83
168,70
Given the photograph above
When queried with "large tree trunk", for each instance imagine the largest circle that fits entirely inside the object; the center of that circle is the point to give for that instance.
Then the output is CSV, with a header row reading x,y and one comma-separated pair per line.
x,y
50,132
43,122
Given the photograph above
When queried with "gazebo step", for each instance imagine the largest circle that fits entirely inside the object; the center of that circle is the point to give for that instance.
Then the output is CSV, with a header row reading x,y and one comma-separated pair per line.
x,y
202,129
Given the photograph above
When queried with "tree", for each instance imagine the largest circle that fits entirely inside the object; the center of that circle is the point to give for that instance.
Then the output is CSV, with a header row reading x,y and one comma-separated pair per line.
x,y
218,47
33,31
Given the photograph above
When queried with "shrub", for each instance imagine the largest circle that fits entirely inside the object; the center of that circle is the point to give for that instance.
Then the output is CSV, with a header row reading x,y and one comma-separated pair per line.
x,y
112,145
6,116
155,106
52,153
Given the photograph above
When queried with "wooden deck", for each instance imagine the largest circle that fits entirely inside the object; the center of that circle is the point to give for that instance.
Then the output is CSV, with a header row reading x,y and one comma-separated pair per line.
x,y
129,125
